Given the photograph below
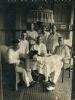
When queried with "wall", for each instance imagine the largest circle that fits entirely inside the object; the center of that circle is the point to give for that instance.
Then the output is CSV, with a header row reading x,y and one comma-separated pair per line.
x,y
62,15
13,17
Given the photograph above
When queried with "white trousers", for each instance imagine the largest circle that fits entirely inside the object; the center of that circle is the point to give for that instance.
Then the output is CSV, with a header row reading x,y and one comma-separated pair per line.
x,y
24,74
29,76
56,76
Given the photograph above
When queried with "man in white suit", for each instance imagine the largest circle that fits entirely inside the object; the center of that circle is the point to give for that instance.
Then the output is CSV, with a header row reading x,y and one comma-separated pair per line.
x,y
13,58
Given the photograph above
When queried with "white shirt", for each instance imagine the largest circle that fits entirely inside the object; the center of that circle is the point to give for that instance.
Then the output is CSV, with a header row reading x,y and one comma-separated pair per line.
x,y
62,51
33,35
13,56
23,47
45,37
41,48
52,41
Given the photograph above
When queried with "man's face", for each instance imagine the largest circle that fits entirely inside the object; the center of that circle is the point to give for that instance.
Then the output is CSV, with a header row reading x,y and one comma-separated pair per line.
x,y
61,42
39,40
54,30
25,36
32,26
50,30
16,47
44,29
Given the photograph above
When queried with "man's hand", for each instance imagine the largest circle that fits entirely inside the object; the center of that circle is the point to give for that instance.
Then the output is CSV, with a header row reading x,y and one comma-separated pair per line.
x,y
35,57
42,54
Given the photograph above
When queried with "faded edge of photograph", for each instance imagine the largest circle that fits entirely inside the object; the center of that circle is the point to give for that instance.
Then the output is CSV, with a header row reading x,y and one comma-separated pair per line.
x,y
37,49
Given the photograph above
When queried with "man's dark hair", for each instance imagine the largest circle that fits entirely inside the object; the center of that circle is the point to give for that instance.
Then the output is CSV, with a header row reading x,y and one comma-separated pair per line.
x,y
23,32
60,38
15,41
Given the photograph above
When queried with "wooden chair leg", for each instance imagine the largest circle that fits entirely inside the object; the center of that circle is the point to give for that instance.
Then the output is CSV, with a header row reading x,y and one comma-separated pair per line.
x,y
62,74
16,82
69,72
16,87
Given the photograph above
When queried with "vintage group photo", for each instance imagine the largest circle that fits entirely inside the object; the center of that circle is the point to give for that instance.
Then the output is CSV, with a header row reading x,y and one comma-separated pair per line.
x,y
37,50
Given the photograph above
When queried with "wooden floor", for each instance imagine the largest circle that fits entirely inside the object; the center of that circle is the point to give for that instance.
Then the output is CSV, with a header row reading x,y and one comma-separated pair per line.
x,y
62,91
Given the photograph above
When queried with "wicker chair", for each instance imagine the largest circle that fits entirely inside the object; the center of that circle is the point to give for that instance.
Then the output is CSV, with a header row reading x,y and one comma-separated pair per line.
x,y
69,66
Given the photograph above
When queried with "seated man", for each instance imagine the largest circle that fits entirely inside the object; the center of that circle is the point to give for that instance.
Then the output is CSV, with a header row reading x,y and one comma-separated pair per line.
x,y
41,51
13,58
63,52
40,47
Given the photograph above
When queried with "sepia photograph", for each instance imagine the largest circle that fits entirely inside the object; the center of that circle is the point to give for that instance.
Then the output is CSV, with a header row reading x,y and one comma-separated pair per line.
x,y
37,50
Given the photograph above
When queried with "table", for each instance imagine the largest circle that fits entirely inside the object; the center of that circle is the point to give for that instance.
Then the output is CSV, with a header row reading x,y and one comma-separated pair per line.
x,y
45,65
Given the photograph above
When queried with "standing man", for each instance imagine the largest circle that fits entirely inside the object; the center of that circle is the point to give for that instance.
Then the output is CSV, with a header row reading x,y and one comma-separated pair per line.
x,y
45,35
52,40
32,34
23,45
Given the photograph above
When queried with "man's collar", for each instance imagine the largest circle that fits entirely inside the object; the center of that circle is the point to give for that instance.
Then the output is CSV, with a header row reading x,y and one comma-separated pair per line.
x,y
62,46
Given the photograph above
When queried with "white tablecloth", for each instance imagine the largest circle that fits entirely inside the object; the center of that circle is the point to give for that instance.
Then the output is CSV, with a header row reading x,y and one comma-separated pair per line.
x,y
45,65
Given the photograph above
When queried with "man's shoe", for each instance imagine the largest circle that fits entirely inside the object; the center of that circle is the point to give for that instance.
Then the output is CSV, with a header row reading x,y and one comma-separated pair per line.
x,y
32,83
52,83
49,83
50,88
46,83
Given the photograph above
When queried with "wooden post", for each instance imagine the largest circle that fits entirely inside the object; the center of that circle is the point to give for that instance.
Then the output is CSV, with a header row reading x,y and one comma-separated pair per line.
x,y
73,76
1,83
